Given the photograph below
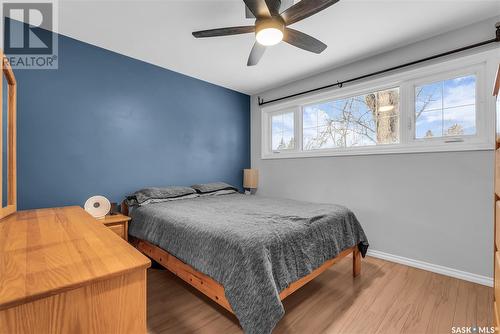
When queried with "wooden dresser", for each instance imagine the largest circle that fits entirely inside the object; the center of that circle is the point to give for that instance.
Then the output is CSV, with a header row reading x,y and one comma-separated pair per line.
x,y
496,233
61,271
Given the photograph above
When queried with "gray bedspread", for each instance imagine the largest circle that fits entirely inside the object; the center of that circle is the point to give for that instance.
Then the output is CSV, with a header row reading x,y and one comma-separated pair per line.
x,y
254,246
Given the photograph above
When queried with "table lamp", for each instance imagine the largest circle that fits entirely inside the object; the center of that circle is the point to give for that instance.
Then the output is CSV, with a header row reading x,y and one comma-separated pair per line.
x,y
250,180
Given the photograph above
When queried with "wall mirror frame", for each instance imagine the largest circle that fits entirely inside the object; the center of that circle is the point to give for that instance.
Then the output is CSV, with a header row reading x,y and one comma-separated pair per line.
x,y
11,163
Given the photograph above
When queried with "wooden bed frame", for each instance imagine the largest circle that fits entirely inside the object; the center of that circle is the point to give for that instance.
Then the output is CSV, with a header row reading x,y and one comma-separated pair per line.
x,y
214,290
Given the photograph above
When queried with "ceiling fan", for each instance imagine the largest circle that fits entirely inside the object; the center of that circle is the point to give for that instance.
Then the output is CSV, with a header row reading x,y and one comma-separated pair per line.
x,y
271,26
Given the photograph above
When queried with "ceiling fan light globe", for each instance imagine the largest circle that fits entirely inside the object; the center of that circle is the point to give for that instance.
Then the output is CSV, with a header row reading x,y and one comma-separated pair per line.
x,y
269,31
269,36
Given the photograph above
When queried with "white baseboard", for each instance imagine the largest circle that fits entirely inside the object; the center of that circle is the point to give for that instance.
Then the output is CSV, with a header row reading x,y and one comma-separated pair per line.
x,y
466,276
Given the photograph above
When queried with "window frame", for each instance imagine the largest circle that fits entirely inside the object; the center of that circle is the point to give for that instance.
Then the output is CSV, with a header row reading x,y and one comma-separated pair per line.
x,y
478,65
478,72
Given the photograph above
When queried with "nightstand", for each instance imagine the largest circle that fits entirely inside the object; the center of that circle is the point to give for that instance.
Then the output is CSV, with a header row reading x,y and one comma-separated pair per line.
x,y
117,223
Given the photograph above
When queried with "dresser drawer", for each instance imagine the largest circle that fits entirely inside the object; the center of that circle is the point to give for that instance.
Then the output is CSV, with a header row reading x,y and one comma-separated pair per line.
x,y
497,226
497,277
118,229
497,172
496,315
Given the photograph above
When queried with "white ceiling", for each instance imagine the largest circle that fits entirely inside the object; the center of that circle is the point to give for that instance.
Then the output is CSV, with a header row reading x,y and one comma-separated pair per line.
x,y
159,32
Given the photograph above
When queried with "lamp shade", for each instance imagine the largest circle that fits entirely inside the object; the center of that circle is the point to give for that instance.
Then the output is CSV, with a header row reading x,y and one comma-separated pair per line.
x,y
250,178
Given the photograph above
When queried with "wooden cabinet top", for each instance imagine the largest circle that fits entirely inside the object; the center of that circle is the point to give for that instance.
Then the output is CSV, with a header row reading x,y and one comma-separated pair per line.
x,y
47,251
116,218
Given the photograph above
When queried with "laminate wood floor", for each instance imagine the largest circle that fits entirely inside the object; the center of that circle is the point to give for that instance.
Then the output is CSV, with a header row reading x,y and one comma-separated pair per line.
x,y
386,298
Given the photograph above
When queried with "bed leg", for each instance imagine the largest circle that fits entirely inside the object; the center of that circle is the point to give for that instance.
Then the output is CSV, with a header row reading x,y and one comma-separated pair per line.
x,y
356,262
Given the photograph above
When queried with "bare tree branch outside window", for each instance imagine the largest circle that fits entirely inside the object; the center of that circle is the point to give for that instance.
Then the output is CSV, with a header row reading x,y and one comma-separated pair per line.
x,y
357,121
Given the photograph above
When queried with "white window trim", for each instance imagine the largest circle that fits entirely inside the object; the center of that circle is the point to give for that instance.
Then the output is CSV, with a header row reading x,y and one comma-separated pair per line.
x,y
483,65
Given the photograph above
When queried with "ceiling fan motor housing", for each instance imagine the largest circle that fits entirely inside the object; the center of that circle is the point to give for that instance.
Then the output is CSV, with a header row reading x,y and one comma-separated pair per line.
x,y
285,4
274,22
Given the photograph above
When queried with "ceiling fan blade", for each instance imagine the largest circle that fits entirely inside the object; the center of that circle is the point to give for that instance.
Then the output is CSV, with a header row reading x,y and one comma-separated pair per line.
x,y
258,8
274,6
224,31
303,41
256,53
305,8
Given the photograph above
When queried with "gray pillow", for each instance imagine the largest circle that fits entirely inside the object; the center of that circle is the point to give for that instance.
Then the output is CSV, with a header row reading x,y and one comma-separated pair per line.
x,y
205,188
149,195
219,192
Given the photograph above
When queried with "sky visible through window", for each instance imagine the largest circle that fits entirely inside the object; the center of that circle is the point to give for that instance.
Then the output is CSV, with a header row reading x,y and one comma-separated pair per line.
x,y
282,132
446,108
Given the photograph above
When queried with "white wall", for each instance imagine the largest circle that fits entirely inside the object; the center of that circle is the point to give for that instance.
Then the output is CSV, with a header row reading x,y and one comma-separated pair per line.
x,y
430,207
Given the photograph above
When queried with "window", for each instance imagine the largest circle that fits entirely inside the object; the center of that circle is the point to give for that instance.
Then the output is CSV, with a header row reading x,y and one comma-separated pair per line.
x,y
363,120
282,131
446,108
442,107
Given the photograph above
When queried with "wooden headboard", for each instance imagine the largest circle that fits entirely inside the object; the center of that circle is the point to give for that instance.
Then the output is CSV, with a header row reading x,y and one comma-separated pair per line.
x,y
124,208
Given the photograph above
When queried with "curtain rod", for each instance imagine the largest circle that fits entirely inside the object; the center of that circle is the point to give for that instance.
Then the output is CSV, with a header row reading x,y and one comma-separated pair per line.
x,y
339,84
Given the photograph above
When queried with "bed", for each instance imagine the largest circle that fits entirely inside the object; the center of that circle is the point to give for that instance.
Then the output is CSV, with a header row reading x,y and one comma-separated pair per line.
x,y
247,253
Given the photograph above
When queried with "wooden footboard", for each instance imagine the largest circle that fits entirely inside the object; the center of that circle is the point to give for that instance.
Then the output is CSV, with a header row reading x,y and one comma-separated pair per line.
x,y
213,289
199,281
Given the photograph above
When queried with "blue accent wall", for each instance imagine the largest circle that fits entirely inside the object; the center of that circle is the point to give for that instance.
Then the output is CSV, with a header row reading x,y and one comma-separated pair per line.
x,y
106,124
